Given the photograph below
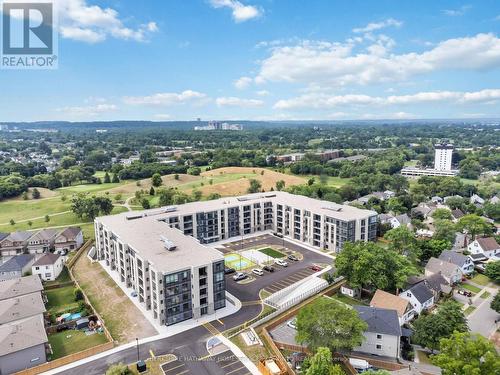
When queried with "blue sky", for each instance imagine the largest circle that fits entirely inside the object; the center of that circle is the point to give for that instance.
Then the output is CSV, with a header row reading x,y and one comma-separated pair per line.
x,y
264,60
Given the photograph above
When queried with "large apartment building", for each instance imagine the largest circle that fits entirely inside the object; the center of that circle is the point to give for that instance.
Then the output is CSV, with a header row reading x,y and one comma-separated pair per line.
x,y
160,253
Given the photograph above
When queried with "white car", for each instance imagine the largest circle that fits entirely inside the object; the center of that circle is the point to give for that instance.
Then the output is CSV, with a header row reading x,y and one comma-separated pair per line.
x,y
258,271
281,262
292,323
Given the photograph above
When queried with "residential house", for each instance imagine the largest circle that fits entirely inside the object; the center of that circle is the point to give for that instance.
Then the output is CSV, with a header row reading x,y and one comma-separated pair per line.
x,y
465,262
42,241
395,221
15,243
3,235
436,200
48,267
420,297
350,291
390,301
460,241
456,214
495,199
22,332
70,238
423,210
476,200
486,246
383,335
17,266
450,272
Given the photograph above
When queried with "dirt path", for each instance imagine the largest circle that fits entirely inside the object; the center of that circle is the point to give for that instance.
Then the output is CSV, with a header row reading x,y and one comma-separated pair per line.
x,y
122,318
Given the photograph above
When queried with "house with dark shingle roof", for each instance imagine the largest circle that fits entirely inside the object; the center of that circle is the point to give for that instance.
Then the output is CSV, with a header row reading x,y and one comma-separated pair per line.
x,y
457,214
42,241
15,243
420,297
487,246
383,335
450,272
48,267
16,266
465,262
3,235
68,239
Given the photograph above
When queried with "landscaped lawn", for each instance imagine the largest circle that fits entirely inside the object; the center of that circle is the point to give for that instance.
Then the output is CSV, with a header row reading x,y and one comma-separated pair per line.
x,y
272,253
472,288
485,294
61,300
423,357
481,279
73,341
61,279
348,300
469,310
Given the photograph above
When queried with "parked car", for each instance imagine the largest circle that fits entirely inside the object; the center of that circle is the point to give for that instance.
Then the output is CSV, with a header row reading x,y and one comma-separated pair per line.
x,y
315,268
464,292
229,271
268,268
258,272
133,294
281,262
293,257
292,323
239,276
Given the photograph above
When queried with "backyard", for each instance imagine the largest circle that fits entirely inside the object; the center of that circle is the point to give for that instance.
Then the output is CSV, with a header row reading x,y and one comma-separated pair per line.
x,y
73,341
61,300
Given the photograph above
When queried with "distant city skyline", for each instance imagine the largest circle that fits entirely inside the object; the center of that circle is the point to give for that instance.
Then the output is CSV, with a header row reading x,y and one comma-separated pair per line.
x,y
264,60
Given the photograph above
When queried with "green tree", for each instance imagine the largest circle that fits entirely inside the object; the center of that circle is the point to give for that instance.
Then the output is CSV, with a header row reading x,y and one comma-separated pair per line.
x,y
432,248
442,214
47,218
107,179
12,222
156,180
78,294
176,177
35,193
166,197
328,323
495,303
474,225
30,223
197,195
255,186
467,354
431,328
152,191
25,195
366,264
321,363
444,230
145,204
395,205
115,178
403,242
195,171
119,369
492,270
280,185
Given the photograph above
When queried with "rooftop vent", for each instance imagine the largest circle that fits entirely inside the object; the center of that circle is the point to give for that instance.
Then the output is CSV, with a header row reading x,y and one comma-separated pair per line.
x,y
334,208
169,245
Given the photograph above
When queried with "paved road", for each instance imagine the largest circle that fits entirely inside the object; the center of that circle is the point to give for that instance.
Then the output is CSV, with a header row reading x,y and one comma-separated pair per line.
x,y
482,319
190,345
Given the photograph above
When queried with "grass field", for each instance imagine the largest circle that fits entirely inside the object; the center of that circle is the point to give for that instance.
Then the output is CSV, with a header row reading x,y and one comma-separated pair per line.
x,y
73,341
238,262
61,300
481,279
348,300
485,294
469,310
272,253
62,278
472,288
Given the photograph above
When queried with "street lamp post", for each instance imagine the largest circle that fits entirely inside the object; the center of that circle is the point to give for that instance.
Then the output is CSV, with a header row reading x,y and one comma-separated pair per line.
x,y
137,341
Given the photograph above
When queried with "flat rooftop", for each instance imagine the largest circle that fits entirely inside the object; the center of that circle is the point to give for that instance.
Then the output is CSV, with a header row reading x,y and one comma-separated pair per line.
x,y
146,237
331,209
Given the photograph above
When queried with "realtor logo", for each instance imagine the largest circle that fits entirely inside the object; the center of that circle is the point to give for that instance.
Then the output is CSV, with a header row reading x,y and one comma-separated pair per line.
x,y
28,35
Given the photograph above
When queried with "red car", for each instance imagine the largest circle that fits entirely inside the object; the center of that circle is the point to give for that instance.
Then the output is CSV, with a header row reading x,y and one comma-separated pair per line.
x,y
316,268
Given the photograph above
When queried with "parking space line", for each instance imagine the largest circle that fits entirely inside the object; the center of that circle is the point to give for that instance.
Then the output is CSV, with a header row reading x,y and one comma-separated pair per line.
x,y
238,369
183,372
229,364
176,367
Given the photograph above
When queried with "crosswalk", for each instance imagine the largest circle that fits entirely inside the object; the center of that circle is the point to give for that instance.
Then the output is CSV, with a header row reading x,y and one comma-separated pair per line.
x,y
210,328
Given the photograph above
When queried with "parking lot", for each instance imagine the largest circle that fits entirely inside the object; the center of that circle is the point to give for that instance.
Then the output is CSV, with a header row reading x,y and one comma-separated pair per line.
x,y
223,363
284,334
289,280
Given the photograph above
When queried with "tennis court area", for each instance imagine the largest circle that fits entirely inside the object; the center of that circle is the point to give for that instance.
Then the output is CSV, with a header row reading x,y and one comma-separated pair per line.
x,y
238,262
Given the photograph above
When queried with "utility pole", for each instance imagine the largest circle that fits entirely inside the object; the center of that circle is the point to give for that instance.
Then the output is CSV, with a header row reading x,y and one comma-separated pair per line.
x,y
137,341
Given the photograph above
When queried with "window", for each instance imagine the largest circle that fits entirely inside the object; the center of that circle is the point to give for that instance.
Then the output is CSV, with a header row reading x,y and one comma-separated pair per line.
x,y
379,337
379,346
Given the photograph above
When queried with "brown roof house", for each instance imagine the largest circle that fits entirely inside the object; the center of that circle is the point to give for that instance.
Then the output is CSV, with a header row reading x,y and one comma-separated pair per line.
x,y
69,239
486,246
15,243
42,241
48,267
390,301
450,272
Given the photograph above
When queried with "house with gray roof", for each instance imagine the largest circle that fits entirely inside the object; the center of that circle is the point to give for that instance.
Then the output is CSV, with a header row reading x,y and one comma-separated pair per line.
x,y
15,243
383,335
465,262
420,297
457,214
23,338
3,235
42,241
48,267
68,239
450,272
486,246
16,266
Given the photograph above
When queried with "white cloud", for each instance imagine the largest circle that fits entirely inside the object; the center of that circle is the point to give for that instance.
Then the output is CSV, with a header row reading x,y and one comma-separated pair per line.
x,y
334,64
232,101
240,12
263,93
81,21
323,101
242,83
168,98
88,111
457,12
374,26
